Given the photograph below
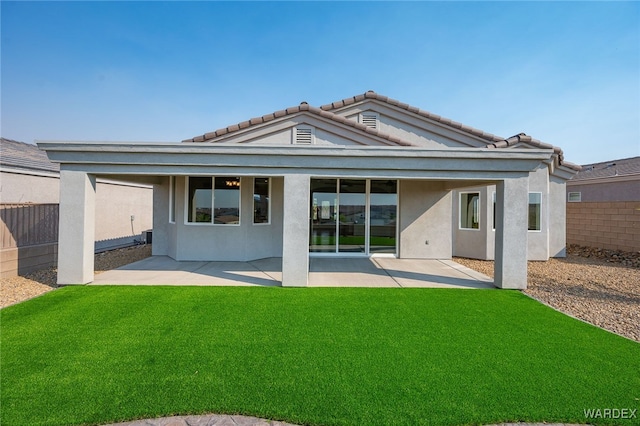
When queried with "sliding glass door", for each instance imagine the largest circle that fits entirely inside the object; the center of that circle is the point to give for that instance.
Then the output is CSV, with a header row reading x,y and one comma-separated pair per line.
x,y
383,211
324,209
355,216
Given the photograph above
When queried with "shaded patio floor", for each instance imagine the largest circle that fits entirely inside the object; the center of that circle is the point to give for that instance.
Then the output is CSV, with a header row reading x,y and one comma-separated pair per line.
x,y
323,272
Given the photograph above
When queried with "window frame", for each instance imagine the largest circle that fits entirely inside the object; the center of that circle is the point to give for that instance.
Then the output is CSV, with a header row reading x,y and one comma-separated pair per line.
x,y
539,212
213,185
253,201
460,227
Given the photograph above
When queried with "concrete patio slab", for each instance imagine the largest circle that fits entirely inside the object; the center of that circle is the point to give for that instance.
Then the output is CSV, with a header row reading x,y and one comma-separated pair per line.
x,y
323,272
433,273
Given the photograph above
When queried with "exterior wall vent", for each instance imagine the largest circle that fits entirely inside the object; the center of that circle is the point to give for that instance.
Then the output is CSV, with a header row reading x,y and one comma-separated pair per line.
x,y
303,136
369,119
575,197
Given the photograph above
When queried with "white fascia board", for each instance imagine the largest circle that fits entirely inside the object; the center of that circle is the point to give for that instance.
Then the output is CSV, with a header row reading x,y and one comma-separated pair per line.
x,y
38,173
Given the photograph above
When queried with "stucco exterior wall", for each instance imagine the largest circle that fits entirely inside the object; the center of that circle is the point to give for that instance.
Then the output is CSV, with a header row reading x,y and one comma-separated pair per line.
x,y
163,238
425,220
409,128
541,245
557,217
246,241
538,241
122,210
473,243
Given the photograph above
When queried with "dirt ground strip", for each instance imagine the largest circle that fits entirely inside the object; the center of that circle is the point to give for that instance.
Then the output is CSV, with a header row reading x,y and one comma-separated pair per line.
x,y
18,289
598,286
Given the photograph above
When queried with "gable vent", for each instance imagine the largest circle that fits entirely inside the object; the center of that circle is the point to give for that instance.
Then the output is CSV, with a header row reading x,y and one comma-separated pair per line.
x,y
304,136
369,119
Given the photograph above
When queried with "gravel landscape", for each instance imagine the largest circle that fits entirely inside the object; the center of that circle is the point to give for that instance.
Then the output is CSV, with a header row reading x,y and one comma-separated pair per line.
x,y
601,287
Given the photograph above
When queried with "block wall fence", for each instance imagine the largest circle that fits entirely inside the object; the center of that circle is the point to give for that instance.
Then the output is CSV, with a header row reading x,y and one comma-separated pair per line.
x,y
606,225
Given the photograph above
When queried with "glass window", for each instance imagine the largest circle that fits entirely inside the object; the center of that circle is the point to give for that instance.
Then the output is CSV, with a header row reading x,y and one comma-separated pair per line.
x,y
226,201
535,201
200,200
470,210
352,202
261,197
324,208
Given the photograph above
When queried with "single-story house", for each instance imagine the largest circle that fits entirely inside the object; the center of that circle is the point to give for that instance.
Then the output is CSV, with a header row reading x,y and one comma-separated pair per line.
x,y
363,176
29,196
603,205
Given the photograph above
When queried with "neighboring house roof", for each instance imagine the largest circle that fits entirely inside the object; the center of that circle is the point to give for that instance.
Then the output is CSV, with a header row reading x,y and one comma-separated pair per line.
x,y
24,156
492,141
607,169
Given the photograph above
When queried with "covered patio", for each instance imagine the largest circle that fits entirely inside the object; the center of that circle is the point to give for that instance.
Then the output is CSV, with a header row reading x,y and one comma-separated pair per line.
x,y
323,272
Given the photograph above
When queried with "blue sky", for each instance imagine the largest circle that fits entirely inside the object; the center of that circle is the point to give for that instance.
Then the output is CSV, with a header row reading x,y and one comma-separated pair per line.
x,y
565,73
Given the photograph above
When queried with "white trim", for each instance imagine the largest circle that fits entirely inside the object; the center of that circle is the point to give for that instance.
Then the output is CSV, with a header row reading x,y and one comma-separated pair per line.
x,y
493,212
528,204
213,185
367,193
479,228
4,169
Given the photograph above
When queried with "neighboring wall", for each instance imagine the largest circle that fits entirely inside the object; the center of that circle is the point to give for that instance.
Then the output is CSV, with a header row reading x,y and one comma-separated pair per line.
x,y
607,215
613,225
28,237
123,211
25,195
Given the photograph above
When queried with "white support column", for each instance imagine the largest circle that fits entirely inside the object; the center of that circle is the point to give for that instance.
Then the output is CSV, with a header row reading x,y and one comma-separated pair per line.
x,y
77,227
295,232
512,201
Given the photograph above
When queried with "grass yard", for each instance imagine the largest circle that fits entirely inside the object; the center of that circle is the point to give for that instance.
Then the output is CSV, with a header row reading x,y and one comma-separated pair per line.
x,y
318,356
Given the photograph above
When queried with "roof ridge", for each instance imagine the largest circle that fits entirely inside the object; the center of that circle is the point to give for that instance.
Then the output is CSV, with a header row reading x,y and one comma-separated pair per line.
x,y
426,114
523,137
495,141
303,107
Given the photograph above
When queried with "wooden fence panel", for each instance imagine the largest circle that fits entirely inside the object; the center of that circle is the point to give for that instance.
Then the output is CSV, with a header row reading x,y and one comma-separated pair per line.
x,y
28,224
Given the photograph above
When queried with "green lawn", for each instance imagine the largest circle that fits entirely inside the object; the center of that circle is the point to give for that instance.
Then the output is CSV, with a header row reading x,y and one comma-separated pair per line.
x,y
320,356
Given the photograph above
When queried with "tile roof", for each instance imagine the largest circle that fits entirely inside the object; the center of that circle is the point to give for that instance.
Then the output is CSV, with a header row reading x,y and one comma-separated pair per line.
x,y
303,107
426,114
24,156
493,141
622,167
